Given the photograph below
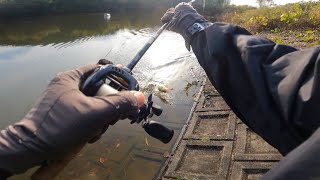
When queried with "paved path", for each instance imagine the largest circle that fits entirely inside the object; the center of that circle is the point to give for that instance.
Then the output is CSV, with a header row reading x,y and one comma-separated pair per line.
x,y
217,145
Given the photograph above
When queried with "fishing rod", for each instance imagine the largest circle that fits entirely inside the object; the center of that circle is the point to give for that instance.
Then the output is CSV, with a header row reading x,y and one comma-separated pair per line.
x,y
110,79
144,49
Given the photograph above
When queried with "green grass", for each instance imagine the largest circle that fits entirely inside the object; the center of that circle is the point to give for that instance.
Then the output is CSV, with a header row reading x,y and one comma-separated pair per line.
x,y
296,37
294,24
291,16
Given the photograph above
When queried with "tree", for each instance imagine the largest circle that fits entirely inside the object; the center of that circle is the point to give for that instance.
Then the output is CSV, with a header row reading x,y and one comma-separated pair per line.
x,y
264,3
210,7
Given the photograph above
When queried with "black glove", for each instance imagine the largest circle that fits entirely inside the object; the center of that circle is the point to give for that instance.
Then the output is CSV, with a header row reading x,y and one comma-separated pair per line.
x,y
180,18
168,15
63,118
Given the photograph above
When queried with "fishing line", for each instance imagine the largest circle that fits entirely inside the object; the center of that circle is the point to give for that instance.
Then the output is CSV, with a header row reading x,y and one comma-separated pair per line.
x,y
120,47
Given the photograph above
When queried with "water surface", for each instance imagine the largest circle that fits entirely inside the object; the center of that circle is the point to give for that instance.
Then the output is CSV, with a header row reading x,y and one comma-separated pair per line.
x,y
33,50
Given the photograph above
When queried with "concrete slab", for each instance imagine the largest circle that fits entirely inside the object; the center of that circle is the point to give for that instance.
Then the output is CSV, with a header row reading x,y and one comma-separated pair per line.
x,y
196,159
215,144
250,146
250,170
208,103
219,125
210,100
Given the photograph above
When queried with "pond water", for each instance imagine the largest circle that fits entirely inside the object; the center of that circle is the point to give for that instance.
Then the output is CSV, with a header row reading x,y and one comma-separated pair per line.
x,y
33,50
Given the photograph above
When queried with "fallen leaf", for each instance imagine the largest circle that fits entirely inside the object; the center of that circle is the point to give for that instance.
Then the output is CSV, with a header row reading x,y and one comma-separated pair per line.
x,y
147,143
93,172
102,160
166,154
163,88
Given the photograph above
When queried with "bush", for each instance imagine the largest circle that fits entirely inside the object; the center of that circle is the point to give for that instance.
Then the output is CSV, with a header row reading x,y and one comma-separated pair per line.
x,y
297,15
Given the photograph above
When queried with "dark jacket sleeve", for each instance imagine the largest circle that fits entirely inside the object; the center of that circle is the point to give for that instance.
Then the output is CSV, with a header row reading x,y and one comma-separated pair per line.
x,y
272,88
301,163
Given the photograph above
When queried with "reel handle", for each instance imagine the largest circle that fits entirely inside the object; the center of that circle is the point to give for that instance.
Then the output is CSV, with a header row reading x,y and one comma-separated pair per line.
x,y
158,131
153,128
121,79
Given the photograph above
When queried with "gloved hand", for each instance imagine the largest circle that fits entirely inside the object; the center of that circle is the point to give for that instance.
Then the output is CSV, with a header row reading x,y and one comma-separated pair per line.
x,y
181,9
63,119
168,15
180,18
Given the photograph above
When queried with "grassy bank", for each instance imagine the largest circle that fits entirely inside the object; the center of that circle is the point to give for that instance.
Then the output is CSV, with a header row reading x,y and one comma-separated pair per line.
x,y
290,16
296,38
295,24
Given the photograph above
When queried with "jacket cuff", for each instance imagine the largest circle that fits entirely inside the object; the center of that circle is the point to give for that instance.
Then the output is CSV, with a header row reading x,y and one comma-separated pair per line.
x,y
183,22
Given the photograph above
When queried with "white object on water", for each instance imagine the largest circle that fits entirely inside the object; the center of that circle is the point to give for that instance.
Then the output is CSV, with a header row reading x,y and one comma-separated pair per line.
x,y
106,16
163,88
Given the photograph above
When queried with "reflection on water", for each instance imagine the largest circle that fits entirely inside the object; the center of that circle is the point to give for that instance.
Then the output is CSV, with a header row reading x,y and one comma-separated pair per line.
x,y
57,29
32,51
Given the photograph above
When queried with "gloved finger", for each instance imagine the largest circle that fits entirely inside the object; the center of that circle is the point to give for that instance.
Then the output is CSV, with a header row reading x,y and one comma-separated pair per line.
x,y
109,109
79,118
183,6
85,71
140,98
119,65
140,101
73,78
168,16
104,62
